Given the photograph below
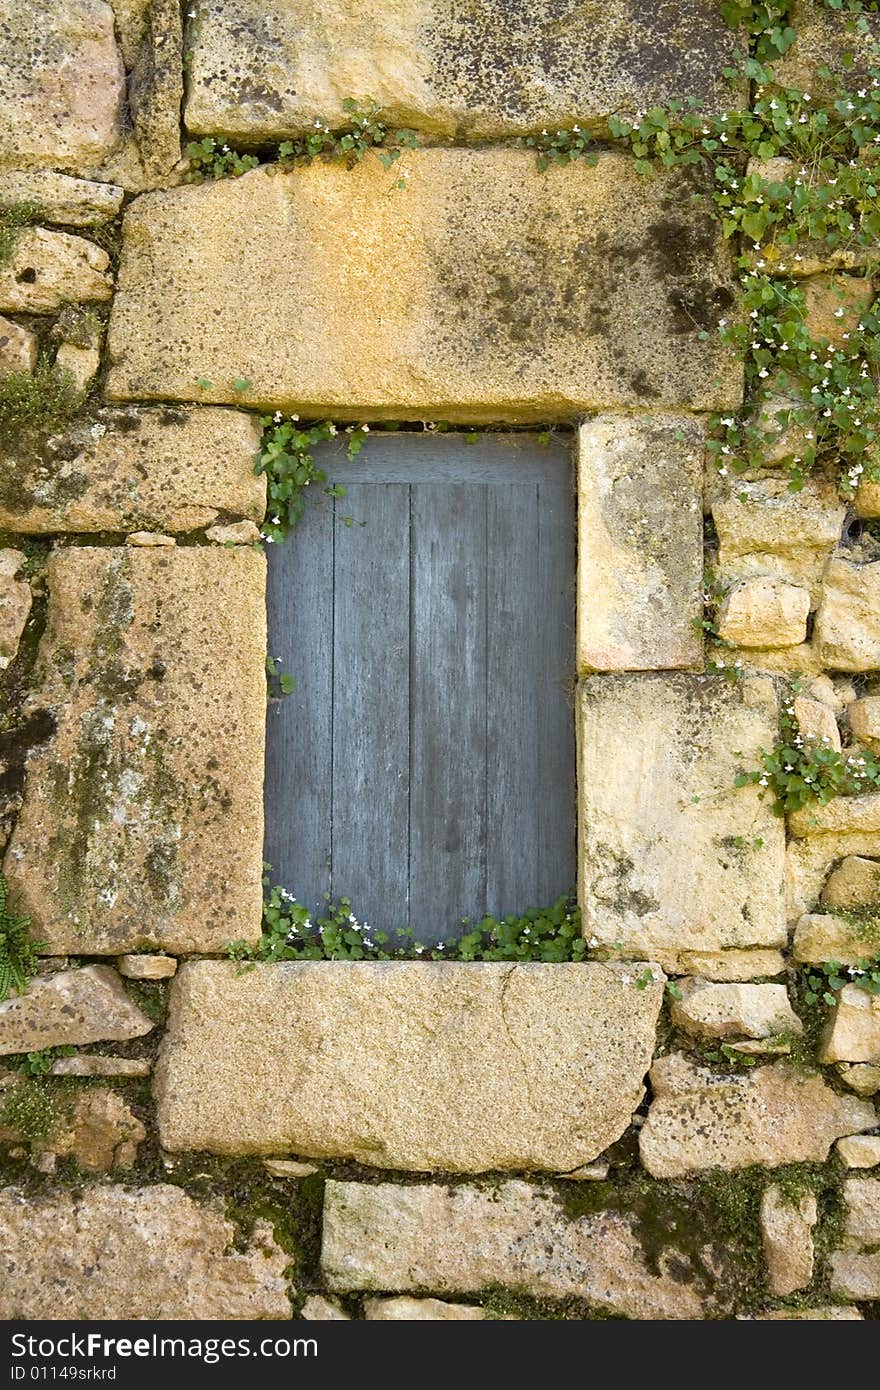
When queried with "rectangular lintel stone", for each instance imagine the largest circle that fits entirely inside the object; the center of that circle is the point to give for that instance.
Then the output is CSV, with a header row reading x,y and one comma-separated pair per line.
x,y
262,72
138,468
674,858
142,821
482,290
640,542
448,1066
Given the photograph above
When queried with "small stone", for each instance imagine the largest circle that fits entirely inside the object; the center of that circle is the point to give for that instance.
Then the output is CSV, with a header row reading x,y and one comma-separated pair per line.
x,y
859,1150
764,612
319,1309
104,1133
149,538
863,1078
590,1172
847,628
820,937
834,305
18,348
866,503
864,720
843,815
146,967
762,1047
862,1198
71,1007
44,1162
770,1115
238,533
80,363
787,1233
60,198
96,1064
853,884
766,529
853,1035
15,604
731,965
823,689
289,1168
731,1010
420,1310
116,1253
833,1312
787,439
816,722
49,269
854,1275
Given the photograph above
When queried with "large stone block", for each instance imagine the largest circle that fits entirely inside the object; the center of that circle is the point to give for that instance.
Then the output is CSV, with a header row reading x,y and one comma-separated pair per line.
x,y
463,1239
116,1253
847,631
448,1066
138,468
772,1115
262,71
673,857
61,84
142,817
640,542
827,39
482,290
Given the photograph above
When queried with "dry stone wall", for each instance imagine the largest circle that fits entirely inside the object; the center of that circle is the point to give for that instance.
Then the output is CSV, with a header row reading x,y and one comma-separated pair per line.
x,y
660,1123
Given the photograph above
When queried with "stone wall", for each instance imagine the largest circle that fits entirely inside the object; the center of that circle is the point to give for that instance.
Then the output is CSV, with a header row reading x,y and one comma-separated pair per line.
x,y
671,1127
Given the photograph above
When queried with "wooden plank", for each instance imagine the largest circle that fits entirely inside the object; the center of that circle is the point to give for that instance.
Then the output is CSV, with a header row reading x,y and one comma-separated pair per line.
x,y
409,457
448,714
371,704
556,865
515,690
298,729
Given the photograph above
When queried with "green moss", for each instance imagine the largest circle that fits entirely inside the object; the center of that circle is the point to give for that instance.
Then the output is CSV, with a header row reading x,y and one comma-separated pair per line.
x,y
31,1108
35,405
151,996
13,218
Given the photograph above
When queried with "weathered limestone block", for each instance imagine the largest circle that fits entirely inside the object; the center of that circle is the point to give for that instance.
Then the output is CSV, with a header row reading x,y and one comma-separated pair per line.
x,y
832,1312
862,1077
825,39
156,89
142,818
835,304
263,71
862,1197
847,631
15,604
491,1065
842,816
864,720
816,721
854,1275
289,1168
117,1253
151,540
319,1309
482,289
420,1310
640,542
820,937
763,528
764,612
787,1233
810,860
97,1064
48,269
674,858
70,1007
462,1239
733,1010
731,965
61,84
80,363
866,502
18,348
61,198
853,1035
237,533
102,1132
859,1151
147,967
771,1115
133,468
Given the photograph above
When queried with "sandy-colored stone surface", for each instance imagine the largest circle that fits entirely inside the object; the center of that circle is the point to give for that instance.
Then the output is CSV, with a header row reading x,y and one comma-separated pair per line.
x,y
822,936
70,1007
18,348
147,967
771,1114
138,468
447,1066
262,70
15,604
811,859
853,1035
483,289
862,1197
787,1233
764,612
61,84
640,543
142,818
99,1064
319,1309
854,1275
673,857
464,1239
825,40
420,1310
48,269
731,965
733,1010
117,1253
816,721
62,198
847,631
765,529
859,1150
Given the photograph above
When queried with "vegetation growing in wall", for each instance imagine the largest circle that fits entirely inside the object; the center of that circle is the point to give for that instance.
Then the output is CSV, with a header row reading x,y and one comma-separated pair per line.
x,y
35,405
18,953
31,1109
14,217
286,458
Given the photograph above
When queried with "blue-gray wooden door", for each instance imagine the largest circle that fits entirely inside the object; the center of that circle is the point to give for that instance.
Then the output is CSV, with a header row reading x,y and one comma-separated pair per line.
x,y
424,764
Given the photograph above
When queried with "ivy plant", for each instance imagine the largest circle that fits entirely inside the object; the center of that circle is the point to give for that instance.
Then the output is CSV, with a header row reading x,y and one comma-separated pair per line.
x,y
286,458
